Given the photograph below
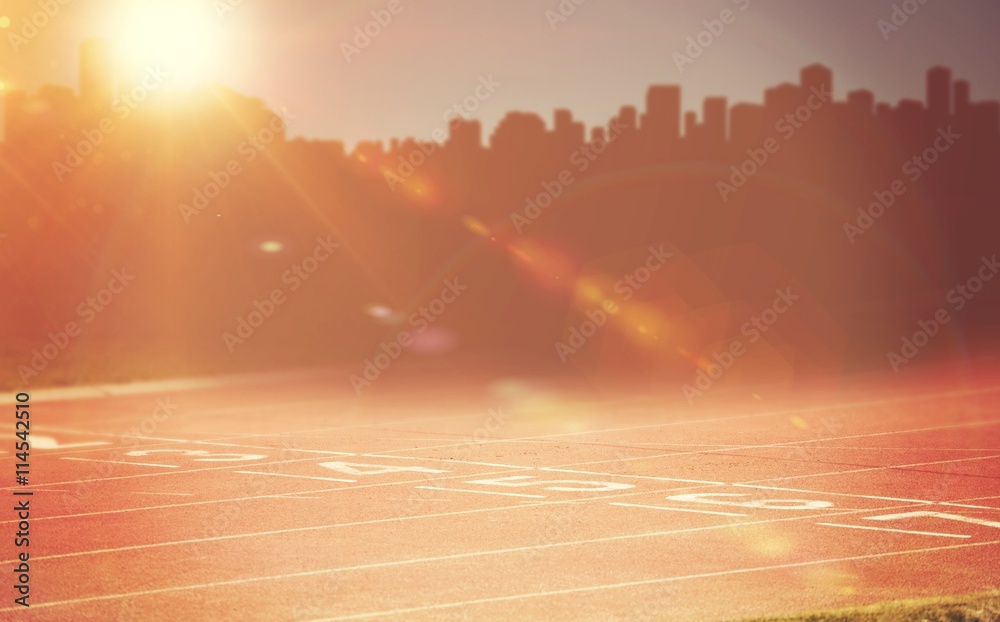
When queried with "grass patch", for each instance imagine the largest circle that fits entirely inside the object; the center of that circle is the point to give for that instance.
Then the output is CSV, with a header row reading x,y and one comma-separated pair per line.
x,y
983,607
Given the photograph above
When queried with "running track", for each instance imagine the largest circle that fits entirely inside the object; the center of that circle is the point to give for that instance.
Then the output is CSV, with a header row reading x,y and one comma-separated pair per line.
x,y
287,498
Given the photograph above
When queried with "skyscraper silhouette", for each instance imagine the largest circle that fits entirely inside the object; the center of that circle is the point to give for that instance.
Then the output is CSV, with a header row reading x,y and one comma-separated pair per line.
x,y
662,121
817,76
938,97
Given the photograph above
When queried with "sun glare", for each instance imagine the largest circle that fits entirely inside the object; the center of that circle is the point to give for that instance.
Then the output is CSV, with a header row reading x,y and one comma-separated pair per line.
x,y
183,37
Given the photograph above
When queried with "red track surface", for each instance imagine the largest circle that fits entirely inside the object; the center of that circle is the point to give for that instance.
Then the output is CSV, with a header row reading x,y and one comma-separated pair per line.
x,y
286,500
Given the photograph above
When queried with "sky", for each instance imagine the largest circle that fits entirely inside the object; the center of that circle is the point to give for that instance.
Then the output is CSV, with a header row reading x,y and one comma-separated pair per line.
x,y
432,54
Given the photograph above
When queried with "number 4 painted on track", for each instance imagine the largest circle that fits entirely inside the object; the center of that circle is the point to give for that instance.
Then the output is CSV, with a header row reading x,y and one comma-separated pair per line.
x,y
955,517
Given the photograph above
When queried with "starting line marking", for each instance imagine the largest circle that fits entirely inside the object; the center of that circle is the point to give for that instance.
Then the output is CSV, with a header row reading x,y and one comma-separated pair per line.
x,y
916,533
149,464
658,507
481,492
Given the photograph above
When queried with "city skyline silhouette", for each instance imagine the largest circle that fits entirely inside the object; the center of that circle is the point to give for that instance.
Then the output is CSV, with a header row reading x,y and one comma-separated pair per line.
x,y
536,194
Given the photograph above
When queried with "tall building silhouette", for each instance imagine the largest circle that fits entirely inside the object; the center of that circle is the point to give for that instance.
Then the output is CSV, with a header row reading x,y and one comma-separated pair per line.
x,y
817,76
569,134
962,97
863,101
714,119
464,135
939,96
662,122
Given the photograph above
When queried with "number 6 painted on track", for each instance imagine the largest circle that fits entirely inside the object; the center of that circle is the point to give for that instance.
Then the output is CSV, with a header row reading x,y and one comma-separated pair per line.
x,y
765,504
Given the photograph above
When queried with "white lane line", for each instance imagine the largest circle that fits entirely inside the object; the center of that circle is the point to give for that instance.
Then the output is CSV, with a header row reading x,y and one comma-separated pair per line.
x,y
138,475
792,443
149,464
916,533
890,467
377,521
847,494
481,492
298,530
398,612
249,498
659,507
966,505
160,439
174,494
983,499
324,479
826,407
914,449
492,464
662,479
611,586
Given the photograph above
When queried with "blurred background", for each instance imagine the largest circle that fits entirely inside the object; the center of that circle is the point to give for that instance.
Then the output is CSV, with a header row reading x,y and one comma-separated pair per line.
x,y
622,194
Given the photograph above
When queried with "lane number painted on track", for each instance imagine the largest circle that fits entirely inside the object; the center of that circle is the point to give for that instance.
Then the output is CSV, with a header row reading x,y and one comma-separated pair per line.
x,y
713,498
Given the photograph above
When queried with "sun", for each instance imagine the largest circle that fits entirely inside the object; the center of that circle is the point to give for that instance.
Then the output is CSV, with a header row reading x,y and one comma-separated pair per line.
x,y
183,37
